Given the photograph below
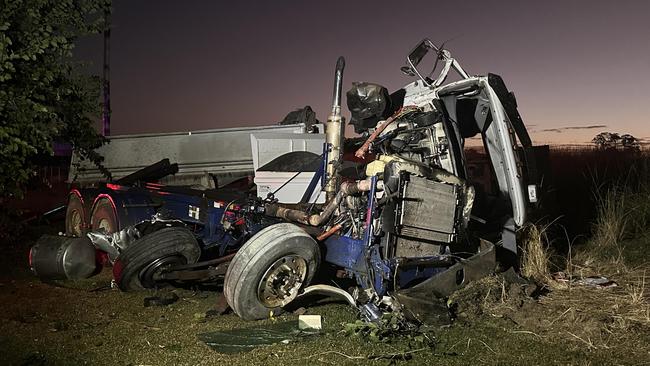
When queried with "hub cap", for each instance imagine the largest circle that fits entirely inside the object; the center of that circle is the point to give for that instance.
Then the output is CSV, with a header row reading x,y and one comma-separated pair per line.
x,y
151,273
281,282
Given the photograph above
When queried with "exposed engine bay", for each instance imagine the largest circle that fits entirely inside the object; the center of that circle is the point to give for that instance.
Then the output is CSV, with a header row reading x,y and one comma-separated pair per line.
x,y
407,219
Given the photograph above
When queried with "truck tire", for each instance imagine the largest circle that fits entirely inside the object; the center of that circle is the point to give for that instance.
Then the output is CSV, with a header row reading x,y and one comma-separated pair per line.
x,y
75,216
137,266
269,270
104,216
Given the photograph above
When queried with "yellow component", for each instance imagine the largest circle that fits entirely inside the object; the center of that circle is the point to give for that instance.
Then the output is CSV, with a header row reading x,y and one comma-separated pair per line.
x,y
377,165
374,168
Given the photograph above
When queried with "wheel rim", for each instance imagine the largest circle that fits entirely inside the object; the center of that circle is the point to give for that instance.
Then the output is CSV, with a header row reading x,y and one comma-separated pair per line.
x,y
281,281
75,223
151,273
106,225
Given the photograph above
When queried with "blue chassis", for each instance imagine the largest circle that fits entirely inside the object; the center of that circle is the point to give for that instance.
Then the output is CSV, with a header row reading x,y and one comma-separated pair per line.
x,y
360,258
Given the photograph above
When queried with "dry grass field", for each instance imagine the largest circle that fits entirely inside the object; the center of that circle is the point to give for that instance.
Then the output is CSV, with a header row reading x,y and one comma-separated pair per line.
x,y
596,226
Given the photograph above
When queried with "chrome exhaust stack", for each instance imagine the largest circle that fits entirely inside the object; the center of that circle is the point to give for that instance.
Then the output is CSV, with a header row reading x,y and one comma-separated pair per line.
x,y
334,132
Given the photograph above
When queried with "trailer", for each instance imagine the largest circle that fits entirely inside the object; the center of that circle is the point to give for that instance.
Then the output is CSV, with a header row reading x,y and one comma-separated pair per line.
x,y
196,162
226,154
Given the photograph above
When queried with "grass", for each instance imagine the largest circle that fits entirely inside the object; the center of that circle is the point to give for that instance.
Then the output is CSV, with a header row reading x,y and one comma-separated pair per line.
x,y
498,322
535,253
617,249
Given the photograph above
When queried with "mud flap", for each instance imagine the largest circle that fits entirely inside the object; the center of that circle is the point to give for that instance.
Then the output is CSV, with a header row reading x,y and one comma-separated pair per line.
x,y
426,301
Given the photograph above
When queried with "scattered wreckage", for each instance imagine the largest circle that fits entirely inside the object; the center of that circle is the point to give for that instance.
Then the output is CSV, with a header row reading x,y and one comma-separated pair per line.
x,y
404,223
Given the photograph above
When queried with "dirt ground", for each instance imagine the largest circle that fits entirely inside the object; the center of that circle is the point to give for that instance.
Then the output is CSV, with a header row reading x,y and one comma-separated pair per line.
x,y
73,323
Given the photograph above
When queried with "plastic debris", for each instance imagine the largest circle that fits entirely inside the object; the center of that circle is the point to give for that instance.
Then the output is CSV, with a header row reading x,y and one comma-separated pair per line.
x,y
309,322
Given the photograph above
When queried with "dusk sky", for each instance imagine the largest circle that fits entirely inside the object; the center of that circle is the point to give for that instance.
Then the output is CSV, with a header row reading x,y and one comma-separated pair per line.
x,y
576,67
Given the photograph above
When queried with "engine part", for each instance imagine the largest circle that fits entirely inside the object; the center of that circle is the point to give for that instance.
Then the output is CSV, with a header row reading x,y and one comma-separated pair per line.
x,y
63,257
367,103
363,150
370,312
346,189
334,132
330,232
422,222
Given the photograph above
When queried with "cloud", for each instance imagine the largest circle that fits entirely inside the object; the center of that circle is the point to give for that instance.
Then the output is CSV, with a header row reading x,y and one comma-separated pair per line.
x,y
562,129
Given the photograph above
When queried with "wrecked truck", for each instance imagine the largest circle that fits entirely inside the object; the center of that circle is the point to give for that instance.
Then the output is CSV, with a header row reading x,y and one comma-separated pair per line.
x,y
403,224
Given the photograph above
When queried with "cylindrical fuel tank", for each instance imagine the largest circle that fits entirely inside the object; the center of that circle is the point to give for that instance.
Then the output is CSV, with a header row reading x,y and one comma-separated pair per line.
x,y
61,257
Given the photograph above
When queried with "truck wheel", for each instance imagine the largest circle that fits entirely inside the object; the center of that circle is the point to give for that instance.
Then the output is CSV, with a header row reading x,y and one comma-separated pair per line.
x,y
74,216
103,216
269,270
138,266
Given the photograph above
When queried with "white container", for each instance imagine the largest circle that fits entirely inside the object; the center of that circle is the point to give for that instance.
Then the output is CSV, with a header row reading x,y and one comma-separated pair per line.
x,y
292,192
268,146
226,151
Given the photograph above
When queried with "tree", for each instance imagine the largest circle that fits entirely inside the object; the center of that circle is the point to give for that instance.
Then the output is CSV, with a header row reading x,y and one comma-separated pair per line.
x,y
630,142
43,96
615,141
606,140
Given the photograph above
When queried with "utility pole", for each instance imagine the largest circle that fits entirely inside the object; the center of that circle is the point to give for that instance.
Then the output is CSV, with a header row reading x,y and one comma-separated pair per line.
x,y
106,82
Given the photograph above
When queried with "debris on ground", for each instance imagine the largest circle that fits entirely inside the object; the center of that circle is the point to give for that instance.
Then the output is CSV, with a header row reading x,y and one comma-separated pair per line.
x,y
484,295
247,339
161,299
389,327
309,322
591,281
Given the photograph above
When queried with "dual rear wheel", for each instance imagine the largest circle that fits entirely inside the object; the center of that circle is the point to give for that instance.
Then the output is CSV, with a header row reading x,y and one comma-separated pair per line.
x,y
103,216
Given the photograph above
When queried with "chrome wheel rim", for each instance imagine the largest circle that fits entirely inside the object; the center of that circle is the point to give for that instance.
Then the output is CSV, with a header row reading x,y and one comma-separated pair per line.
x,y
106,225
282,281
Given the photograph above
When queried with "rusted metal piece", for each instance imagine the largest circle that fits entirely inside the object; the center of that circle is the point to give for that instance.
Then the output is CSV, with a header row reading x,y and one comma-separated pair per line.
x,y
329,232
290,214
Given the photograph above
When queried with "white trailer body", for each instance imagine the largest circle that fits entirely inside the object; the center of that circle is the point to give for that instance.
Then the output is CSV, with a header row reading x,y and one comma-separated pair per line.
x,y
225,153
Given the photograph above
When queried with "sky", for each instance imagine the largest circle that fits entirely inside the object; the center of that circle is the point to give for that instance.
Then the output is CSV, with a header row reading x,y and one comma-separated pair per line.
x,y
577,68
